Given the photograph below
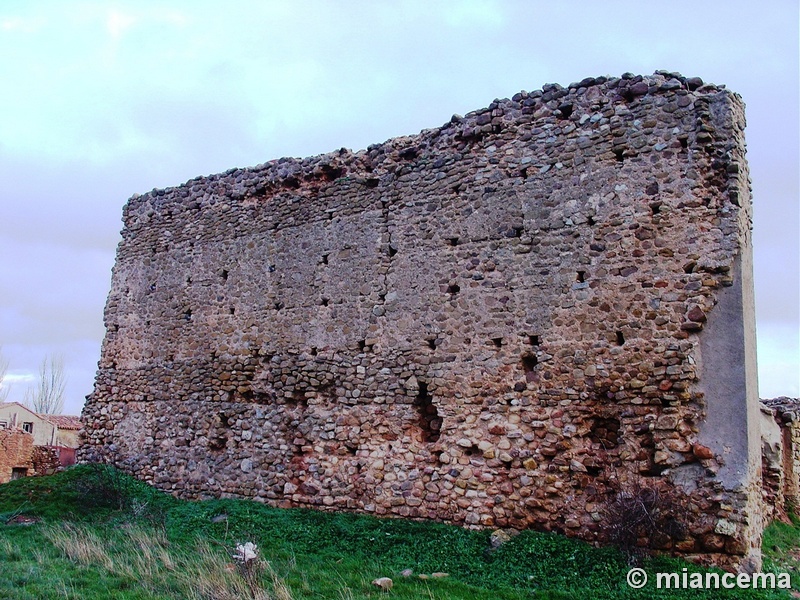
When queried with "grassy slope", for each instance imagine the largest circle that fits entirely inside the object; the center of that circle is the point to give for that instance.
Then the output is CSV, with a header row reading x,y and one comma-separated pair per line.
x,y
103,535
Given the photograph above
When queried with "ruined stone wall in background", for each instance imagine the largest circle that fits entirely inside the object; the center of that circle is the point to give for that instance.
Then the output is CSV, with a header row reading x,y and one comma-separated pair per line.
x,y
495,322
781,455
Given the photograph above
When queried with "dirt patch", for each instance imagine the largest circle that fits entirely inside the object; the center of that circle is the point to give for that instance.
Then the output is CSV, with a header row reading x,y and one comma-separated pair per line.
x,y
23,520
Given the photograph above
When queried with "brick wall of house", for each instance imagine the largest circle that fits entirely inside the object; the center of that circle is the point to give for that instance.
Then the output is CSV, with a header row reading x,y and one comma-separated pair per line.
x,y
16,454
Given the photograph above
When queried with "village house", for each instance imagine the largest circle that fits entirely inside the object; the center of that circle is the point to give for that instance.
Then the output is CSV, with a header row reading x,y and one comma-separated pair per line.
x,y
32,443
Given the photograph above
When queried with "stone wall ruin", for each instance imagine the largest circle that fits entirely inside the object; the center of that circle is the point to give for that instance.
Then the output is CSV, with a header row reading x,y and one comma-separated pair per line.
x,y
499,322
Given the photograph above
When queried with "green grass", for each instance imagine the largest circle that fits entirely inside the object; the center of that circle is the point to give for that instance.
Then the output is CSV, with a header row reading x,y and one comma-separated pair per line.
x,y
781,547
100,534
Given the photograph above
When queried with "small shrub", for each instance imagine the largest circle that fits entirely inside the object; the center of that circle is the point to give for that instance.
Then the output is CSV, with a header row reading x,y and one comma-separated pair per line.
x,y
639,519
104,486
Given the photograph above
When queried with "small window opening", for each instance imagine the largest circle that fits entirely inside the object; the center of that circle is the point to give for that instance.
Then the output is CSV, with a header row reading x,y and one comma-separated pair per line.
x,y
620,338
219,440
313,351
429,421
605,431
232,310
224,274
533,340
19,472
372,182
498,342
452,241
408,153
590,220
593,470
529,362
27,427
392,251
656,208
331,173
297,399
566,110
325,259
362,345
581,277
620,154
431,343
684,142
325,301
453,289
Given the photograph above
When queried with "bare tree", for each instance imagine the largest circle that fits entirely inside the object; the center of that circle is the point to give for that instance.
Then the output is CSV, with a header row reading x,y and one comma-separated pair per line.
x,y
4,388
48,396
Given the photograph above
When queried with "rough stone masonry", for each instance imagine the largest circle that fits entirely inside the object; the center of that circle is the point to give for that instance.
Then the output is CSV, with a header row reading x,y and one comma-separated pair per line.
x,y
503,322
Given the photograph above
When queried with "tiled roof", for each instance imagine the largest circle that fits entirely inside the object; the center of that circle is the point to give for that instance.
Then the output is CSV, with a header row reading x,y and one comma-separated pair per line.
x,y
64,421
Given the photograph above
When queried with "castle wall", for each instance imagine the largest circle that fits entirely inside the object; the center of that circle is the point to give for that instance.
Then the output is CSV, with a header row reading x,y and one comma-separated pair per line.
x,y
499,322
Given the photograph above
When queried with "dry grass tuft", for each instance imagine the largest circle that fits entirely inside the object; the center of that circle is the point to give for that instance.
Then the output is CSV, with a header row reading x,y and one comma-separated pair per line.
x,y
143,555
80,545
214,577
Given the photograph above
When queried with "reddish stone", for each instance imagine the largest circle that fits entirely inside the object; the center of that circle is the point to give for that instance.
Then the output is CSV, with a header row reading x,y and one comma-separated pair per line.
x,y
702,452
697,315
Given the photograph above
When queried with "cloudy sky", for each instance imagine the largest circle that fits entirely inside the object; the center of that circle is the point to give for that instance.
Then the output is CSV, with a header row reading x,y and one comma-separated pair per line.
x,y
104,99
